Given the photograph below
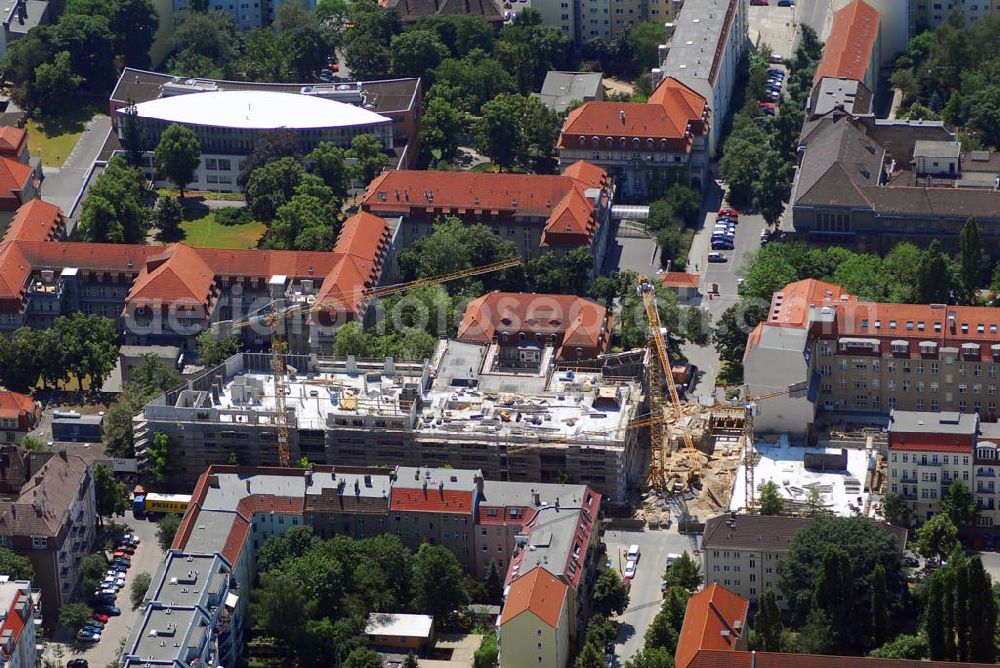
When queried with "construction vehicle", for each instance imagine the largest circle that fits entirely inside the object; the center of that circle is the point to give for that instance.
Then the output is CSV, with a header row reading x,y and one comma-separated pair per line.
x,y
277,315
659,373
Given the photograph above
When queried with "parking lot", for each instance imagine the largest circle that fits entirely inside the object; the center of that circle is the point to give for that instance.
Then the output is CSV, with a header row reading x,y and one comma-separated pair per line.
x,y
146,559
645,597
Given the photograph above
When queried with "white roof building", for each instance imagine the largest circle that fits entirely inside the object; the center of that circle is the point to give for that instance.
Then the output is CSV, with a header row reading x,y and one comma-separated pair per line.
x,y
257,110
399,625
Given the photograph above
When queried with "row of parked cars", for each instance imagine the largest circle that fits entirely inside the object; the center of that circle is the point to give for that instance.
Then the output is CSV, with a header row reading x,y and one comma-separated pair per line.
x,y
775,82
106,595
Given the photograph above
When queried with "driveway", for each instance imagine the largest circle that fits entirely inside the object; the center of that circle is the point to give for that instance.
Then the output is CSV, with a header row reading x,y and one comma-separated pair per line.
x,y
644,595
148,556
62,185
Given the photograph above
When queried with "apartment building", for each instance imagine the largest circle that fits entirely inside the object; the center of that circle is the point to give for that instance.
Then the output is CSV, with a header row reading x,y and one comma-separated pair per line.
x,y
168,295
335,112
853,49
461,408
535,621
524,325
200,593
587,20
741,552
850,356
870,183
51,521
19,414
411,11
930,14
18,616
645,147
704,45
537,212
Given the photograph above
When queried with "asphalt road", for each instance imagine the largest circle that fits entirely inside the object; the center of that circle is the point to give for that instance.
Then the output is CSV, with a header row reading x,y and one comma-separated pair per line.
x,y
62,185
148,556
644,595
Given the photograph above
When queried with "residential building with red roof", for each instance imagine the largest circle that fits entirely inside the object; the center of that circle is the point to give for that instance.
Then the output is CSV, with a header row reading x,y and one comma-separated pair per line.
x,y
839,353
643,146
14,144
534,627
525,326
537,212
18,185
207,575
713,636
18,612
682,283
19,414
166,295
852,51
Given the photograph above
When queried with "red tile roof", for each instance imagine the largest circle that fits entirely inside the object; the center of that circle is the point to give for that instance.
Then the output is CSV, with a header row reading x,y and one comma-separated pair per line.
x,y
562,201
12,140
790,306
710,623
20,407
35,221
14,176
680,279
848,51
177,276
671,111
539,592
14,271
724,659
578,322
358,254
432,500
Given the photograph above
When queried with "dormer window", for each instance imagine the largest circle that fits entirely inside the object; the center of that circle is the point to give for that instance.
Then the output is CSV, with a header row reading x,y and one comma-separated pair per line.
x,y
909,325
965,328
920,325
937,326
878,324
900,347
892,324
583,140
864,323
981,329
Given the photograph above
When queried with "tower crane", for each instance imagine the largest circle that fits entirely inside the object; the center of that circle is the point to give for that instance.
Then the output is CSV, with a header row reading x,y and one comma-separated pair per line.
x,y
276,317
659,363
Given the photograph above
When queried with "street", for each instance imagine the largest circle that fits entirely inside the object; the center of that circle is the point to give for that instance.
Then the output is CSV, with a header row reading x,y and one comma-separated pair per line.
x,y
62,185
148,557
644,595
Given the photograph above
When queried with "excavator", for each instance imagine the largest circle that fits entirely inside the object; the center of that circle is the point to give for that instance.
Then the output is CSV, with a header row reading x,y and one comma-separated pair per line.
x,y
276,316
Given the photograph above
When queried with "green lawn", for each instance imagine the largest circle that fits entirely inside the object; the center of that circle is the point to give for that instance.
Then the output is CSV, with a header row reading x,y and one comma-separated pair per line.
x,y
52,138
200,229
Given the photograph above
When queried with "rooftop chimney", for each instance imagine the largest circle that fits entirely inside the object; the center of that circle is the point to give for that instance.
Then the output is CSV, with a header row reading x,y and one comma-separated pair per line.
x,y
621,115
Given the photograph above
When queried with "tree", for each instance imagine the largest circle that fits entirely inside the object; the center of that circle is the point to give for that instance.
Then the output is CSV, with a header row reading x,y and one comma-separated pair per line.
x,y
937,537
730,334
644,40
487,654
498,136
894,509
438,582
86,346
305,222
494,584
74,615
134,24
771,502
816,636
684,573
158,458
600,632
269,147
589,657
280,607
178,155
111,496
814,503
879,606
410,661
369,158
609,596
913,647
55,82
983,614
417,53
870,544
934,619
114,211
32,444
168,216
140,585
362,657
959,505
833,592
440,128
366,45
15,565
329,162
90,44
213,350
272,185
767,624
454,246
685,201
166,529
472,81
933,282
210,35
970,260
277,549
654,657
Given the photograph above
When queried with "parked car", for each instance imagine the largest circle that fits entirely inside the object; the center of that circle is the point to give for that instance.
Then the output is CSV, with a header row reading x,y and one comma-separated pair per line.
x,y
723,245
717,257
122,554
127,549
671,558
630,568
109,610
77,663
758,3
786,3
777,58
633,552
84,636
729,212
98,617
106,592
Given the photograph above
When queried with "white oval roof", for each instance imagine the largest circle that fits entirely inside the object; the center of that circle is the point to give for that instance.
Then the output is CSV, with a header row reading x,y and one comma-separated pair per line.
x,y
257,110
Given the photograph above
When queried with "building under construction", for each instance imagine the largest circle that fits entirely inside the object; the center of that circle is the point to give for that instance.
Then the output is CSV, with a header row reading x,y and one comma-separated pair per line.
x,y
458,409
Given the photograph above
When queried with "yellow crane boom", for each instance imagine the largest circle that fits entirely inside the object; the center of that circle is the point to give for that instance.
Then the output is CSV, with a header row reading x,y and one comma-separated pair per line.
x,y
275,319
